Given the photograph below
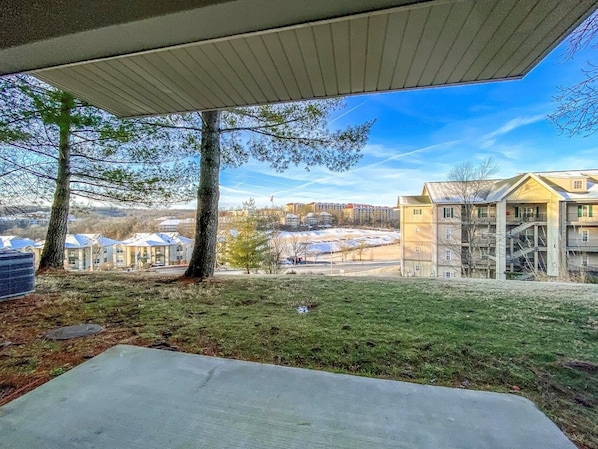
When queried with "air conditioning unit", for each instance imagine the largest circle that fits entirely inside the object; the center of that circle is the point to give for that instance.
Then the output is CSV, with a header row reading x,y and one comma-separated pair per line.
x,y
17,274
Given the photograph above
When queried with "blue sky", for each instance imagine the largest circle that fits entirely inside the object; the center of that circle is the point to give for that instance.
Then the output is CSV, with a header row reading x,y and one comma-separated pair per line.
x,y
420,135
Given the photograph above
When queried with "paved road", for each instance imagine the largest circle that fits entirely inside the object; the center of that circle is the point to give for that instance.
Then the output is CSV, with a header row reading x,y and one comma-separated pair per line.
x,y
383,268
346,268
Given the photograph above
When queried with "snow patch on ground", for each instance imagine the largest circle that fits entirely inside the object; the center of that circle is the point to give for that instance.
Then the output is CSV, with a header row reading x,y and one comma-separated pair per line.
x,y
333,240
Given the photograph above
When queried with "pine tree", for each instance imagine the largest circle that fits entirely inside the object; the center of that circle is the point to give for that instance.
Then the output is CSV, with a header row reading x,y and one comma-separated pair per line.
x,y
282,135
245,246
54,148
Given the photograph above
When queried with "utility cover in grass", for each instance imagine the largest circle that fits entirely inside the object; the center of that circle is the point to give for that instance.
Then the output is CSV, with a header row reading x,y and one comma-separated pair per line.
x,y
76,331
302,309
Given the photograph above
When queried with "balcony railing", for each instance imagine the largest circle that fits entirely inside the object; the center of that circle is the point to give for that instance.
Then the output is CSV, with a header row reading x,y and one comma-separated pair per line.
x,y
511,219
478,220
582,247
574,219
485,261
489,241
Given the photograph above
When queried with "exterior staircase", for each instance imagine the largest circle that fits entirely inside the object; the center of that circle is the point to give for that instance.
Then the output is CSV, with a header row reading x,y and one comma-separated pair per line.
x,y
522,227
522,252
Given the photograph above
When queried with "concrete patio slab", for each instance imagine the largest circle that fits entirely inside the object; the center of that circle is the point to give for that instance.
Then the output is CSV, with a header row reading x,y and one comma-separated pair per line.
x,y
130,397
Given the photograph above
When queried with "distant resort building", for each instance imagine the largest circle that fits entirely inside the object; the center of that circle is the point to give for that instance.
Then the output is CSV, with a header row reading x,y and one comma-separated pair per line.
x,y
182,225
292,220
157,249
311,219
348,213
293,208
94,252
84,252
24,245
37,218
89,252
327,207
371,215
16,243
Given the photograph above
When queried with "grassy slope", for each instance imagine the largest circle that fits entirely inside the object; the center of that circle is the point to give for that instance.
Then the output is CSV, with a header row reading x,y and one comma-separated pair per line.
x,y
478,335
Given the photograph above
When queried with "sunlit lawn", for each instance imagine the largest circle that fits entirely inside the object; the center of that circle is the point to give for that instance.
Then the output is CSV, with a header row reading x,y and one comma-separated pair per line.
x,y
540,338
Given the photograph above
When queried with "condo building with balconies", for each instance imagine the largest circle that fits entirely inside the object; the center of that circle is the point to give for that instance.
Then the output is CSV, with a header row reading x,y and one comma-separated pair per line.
x,y
538,223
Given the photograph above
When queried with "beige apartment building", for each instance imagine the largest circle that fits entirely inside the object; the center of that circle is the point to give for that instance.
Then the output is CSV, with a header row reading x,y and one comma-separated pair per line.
x,y
537,223
368,214
353,213
314,207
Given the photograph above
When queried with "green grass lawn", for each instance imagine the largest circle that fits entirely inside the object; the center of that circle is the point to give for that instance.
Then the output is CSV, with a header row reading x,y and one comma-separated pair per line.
x,y
538,337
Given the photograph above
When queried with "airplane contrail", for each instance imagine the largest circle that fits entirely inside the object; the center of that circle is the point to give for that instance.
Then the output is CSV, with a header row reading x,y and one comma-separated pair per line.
x,y
373,164
418,150
349,111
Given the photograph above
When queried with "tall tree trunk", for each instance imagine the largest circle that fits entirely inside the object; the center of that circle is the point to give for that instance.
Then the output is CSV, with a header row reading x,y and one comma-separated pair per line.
x,y
203,258
53,254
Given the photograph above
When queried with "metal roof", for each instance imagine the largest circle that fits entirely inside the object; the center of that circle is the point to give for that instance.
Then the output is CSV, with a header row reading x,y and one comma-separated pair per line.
x,y
416,200
453,192
15,242
492,191
412,45
156,239
74,241
591,192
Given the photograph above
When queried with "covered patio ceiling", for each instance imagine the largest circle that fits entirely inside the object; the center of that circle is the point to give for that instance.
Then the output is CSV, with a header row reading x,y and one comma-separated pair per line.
x,y
149,58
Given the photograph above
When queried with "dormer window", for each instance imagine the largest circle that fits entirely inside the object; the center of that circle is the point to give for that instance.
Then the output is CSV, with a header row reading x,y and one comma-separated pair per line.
x,y
579,184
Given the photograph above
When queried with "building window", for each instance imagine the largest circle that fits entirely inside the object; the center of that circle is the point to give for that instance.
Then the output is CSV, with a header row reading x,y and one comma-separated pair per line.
x,y
448,233
417,249
585,210
105,260
119,249
585,235
577,184
417,211
482,212
447,274
584,260
447,212
526,212
448,255
105,250
179,248
417,268
417,229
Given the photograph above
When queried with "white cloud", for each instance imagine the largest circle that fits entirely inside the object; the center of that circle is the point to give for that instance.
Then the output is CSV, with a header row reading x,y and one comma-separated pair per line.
x,y
380,151
378,182
439,146
489,139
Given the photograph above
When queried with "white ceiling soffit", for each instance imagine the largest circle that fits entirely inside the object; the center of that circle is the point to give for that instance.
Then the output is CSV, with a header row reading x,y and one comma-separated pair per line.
x,y
428,44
